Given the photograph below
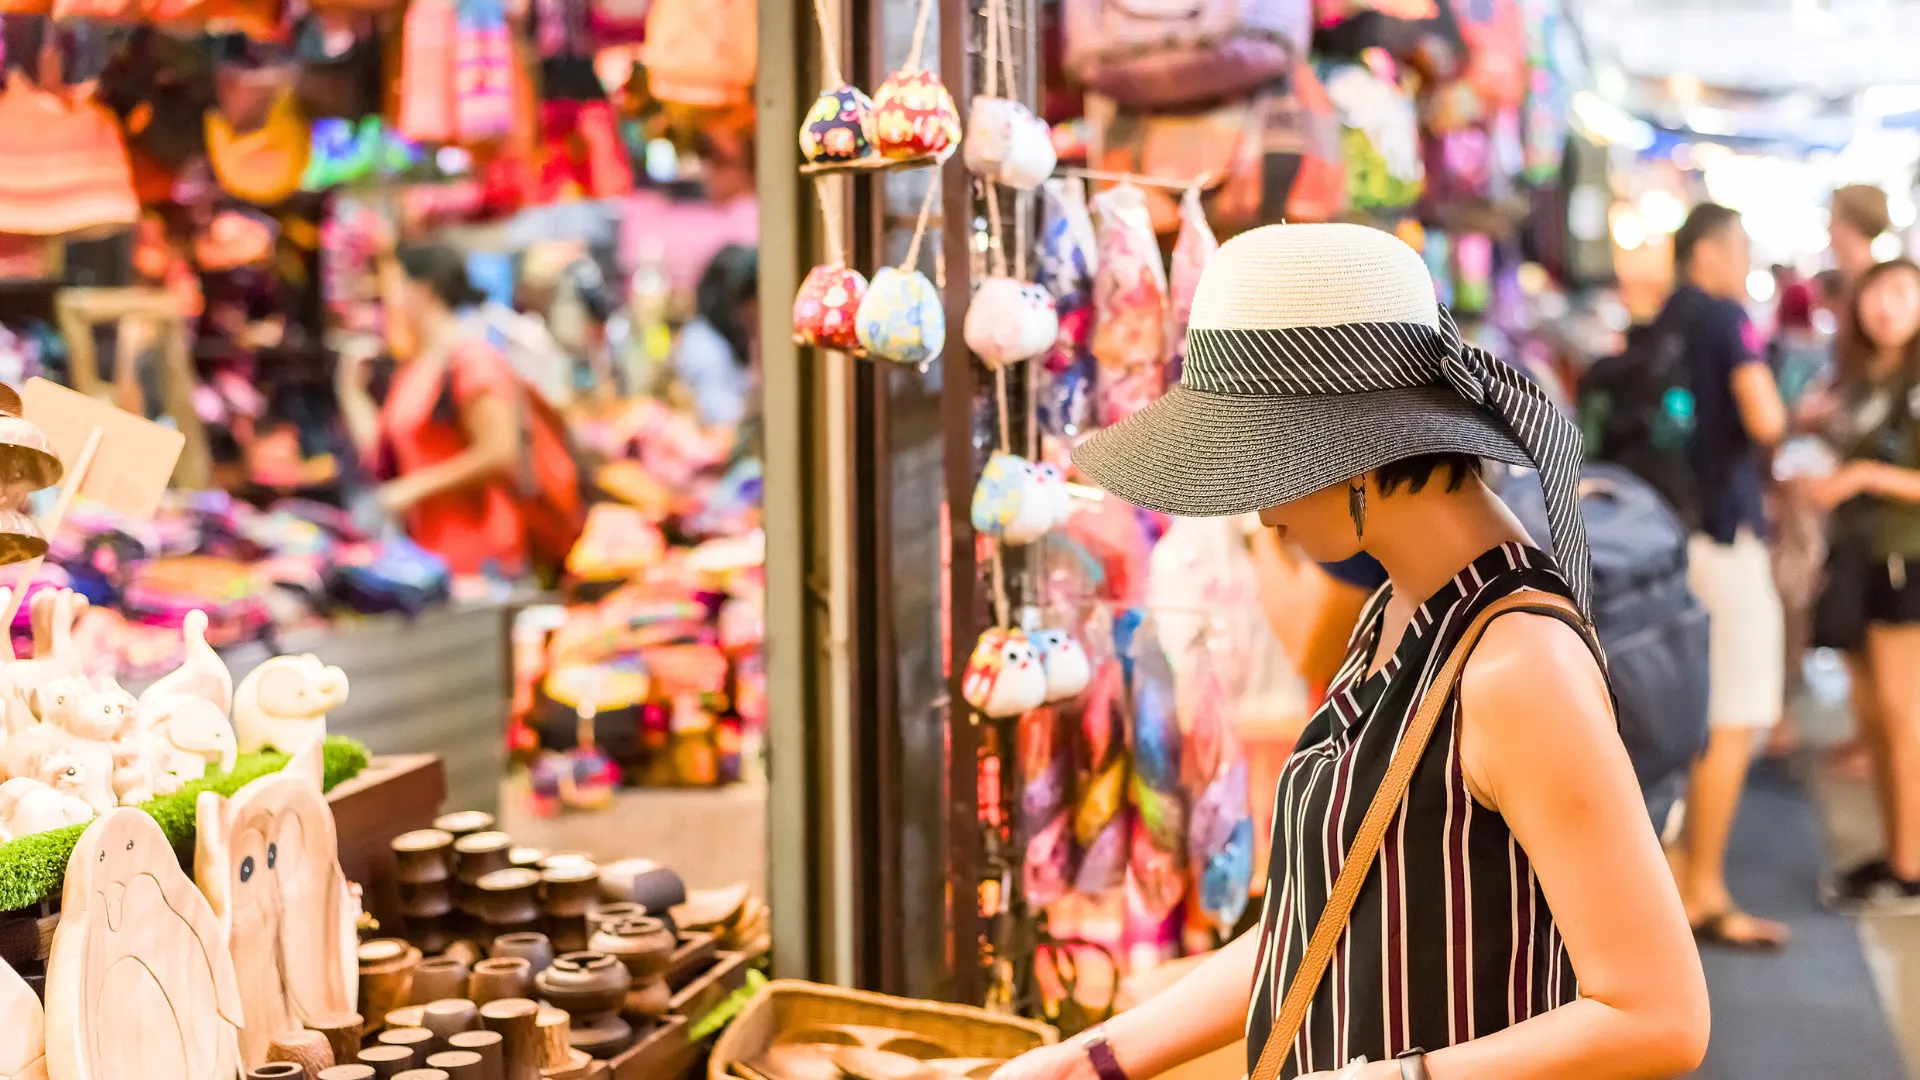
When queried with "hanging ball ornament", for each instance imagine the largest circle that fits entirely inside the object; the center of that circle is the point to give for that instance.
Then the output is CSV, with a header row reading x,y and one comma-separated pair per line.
x,y
838,128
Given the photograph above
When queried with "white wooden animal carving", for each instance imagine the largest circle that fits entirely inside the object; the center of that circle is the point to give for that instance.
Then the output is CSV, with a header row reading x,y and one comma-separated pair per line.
x,y
185,711
88,720
140,984
283,703
268,862
53,614
31,805
23,1029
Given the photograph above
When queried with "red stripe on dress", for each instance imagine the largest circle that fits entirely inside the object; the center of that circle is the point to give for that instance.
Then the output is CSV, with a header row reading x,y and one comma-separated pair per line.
x,y
1459,937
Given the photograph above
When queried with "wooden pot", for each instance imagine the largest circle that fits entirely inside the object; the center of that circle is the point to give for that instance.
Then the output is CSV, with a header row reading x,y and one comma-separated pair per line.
x,y
500,977
439,977
464,822
585,984
569,932
644,945
607,914
535,949
508,899
426,900
480,854
386,976
529,857
572,889
422,856
601,1038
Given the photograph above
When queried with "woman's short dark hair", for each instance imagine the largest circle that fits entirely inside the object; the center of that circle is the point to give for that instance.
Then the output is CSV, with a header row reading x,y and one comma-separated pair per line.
x,y
443,271
1413,473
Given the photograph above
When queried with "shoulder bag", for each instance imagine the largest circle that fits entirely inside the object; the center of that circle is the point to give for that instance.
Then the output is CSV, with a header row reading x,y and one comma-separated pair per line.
x,y
1386,803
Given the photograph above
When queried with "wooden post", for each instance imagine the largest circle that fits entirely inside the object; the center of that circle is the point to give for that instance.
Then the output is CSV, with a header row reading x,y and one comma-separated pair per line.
x,y
448,1017
307,1049
488,1045
517,1022
457,1064
342,1031
554,1046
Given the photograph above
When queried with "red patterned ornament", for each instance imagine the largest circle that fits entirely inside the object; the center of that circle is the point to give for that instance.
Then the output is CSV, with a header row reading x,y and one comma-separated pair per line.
x,y
914,116
824,308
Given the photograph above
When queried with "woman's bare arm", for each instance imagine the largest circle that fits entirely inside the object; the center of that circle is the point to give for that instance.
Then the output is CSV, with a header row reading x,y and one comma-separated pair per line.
x,y
1539,743
492,421
1201,1013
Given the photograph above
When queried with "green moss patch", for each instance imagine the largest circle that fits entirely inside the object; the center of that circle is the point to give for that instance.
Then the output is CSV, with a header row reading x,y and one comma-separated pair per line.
x,y
32,867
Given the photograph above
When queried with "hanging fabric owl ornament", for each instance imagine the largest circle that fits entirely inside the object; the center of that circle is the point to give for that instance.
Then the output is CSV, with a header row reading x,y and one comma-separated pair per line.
x,y
839,127
1004,676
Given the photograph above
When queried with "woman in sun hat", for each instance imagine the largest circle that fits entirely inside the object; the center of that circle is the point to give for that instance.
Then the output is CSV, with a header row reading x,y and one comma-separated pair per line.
x,y
1466,889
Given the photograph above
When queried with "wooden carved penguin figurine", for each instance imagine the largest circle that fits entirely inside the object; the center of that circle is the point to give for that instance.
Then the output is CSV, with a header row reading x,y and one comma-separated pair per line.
x,y
23,1029
139,983
268,861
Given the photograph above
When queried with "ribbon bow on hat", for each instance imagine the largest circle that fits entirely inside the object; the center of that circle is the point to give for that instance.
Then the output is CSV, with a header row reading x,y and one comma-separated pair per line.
x,y
1550,439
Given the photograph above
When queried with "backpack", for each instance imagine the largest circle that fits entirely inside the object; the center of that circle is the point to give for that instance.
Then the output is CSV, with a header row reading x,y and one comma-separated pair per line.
x,y
1636,410
1653,628
1156,53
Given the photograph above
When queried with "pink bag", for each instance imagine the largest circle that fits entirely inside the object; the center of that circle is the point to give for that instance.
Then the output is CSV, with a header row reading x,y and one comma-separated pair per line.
x,y
1156,53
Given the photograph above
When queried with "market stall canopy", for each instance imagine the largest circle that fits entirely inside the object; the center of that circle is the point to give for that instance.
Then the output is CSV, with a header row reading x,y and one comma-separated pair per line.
x,y
1838,46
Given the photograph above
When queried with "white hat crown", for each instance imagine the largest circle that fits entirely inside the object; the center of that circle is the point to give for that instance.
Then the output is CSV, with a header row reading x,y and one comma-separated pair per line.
x,y
1278,277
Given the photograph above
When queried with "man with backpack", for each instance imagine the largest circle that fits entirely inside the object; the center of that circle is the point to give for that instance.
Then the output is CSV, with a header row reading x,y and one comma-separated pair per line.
x,y
1691,407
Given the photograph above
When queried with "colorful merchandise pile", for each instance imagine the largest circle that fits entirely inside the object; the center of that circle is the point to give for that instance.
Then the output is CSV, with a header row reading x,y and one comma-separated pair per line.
x,y
253,573
653,675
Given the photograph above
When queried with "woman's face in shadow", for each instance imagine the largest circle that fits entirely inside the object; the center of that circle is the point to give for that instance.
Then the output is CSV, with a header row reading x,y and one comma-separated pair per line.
x,y
1320,523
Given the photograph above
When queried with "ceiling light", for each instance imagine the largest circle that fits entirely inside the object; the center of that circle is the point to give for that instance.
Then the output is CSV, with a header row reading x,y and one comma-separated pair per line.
x,y
1878,101
1661,212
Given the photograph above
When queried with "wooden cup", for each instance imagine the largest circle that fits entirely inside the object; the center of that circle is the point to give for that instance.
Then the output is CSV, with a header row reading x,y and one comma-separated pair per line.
x,y
490,1046
307,1049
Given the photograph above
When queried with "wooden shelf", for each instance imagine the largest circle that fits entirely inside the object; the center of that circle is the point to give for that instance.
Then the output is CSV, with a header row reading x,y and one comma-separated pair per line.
x,y
872,163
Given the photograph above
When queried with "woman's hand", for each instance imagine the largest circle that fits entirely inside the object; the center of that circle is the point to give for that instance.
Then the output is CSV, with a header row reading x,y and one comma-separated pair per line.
x,y
1061,1061
396,497
1849,480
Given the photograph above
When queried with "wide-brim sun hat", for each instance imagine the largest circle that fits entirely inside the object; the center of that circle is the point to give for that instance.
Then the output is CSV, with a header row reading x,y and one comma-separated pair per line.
x,y
1317,353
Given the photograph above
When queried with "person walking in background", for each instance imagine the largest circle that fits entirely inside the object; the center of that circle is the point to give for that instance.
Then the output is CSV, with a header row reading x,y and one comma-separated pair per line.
x,y
1737,417
1857,217
717,356
1872,602
1801,358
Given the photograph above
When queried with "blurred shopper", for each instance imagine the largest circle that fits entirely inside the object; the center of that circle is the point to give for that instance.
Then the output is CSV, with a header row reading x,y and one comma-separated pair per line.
x,y
1870,604
471,460
717,358
1736,415
1802,360
1856,218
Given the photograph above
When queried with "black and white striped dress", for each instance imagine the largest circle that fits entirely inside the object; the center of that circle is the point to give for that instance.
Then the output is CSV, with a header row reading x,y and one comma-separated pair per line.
x,y
1451,938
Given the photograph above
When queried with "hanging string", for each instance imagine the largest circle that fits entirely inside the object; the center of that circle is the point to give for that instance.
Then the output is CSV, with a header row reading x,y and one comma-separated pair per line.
x,y
993,48
1000,395
830,210
829,46
919,36
1020,244
996,246
1004,35
920,227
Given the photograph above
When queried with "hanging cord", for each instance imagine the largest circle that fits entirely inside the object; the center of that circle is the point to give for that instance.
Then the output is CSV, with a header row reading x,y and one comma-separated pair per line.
x,y
919,36
1000,392
993,49
1004,35
998,248
829,46
920,227
830,210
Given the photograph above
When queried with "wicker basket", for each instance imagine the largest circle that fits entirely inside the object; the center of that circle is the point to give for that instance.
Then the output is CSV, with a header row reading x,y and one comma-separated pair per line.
x,y
788,1005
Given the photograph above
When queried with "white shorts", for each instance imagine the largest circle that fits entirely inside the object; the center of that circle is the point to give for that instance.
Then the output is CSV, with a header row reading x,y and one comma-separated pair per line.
x,y
1747,634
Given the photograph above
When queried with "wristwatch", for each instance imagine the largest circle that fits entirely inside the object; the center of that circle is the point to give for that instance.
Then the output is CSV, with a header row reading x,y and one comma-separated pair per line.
x,y
1105,1065
1413,1065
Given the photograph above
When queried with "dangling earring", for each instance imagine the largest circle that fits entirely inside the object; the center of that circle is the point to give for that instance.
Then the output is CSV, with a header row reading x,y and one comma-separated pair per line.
x,y
1357,505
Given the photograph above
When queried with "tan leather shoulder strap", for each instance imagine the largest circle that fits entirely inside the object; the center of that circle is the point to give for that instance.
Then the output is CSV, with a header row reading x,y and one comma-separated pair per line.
x,y
1380,813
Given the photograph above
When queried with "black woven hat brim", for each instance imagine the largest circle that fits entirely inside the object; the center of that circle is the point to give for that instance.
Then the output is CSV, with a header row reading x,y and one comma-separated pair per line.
x,y
1199,454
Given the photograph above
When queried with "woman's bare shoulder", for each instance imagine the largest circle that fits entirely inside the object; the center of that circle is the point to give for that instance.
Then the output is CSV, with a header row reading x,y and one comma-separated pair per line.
x,y
1532,698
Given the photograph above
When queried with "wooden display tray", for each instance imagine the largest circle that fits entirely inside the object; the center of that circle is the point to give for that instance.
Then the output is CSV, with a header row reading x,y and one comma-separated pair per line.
x,y
872,163
668,1052
391,795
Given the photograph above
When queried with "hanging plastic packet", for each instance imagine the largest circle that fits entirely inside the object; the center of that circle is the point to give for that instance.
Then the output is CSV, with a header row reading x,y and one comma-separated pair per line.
x,y
1191,251
1100,823
1129,286
1159,847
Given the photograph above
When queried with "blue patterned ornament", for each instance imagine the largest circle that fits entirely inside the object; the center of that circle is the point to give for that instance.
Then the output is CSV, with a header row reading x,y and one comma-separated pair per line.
x,y
839,127
901,318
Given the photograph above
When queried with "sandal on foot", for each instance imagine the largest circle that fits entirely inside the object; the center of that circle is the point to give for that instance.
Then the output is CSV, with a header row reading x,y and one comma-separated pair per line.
x,y
1735,929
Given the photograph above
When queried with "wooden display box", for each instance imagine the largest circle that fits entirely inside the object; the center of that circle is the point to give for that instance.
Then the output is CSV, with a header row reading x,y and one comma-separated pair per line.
x,y
390,796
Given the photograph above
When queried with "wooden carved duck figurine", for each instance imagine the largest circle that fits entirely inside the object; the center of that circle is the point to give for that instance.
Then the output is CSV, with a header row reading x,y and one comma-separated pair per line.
x,y
139,983
23,1052
267,861
283,703
185,711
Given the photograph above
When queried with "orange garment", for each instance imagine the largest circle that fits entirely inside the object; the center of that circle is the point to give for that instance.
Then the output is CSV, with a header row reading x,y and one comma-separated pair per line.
x,y
67,169
474,528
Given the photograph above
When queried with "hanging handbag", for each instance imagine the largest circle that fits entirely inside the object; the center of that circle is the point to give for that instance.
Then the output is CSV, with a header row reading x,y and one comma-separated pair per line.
x,y
1381,812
